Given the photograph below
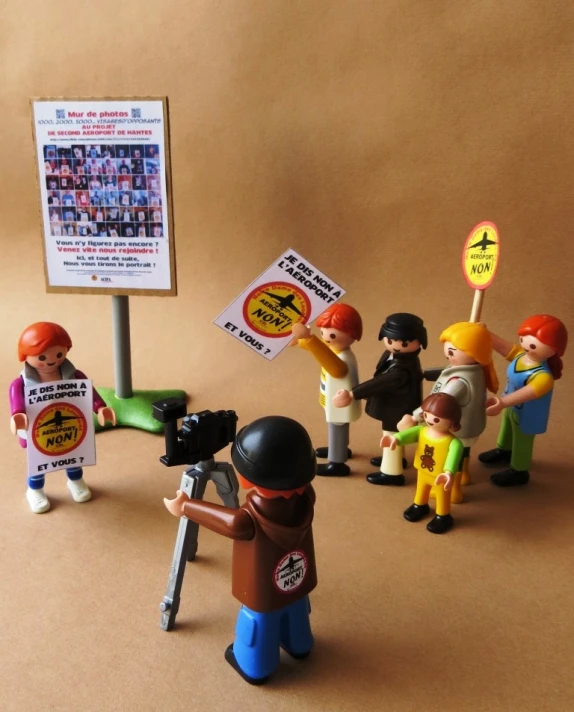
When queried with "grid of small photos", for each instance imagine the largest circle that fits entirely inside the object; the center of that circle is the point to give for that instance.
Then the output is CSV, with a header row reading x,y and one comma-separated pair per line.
x,y
104,190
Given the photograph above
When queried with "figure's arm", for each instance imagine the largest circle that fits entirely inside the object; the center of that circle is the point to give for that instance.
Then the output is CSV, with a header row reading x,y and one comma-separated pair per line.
x,y
19,419
385,383
432,374
409,436
455,450
537,386
502,346
335,367
232,523
99,406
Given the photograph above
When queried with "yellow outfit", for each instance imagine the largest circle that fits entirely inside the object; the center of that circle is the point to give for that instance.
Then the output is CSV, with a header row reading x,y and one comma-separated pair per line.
x,y
432,457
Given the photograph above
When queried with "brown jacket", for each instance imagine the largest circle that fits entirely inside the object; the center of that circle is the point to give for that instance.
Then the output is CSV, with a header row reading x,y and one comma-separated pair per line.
x,y
395,389
273,554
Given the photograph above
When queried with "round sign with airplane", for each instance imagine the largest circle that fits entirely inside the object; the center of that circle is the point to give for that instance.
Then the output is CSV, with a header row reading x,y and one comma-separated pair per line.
x,y
480,255
271,309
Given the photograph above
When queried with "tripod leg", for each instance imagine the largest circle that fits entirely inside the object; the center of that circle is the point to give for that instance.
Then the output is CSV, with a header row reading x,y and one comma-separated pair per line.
x,y
225,481
193,484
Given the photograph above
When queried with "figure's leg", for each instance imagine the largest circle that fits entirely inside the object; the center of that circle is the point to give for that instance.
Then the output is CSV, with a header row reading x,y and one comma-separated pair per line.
x,y
442,521
36,496
391,472
337,453
456,496
521,459
255,651
77,486
420,507
503,449
295,630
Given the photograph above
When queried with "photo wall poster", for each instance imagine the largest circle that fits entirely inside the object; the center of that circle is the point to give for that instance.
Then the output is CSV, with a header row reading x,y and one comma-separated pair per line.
x,y
105,195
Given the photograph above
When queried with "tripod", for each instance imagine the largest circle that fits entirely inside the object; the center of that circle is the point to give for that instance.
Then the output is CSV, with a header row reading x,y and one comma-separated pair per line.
x,y
193,483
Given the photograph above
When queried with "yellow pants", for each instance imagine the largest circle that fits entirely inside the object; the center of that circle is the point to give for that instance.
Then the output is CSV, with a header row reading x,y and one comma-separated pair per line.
x,y
425,481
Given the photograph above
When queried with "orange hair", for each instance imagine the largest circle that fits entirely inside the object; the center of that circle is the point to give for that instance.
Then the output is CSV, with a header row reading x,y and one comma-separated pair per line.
x,y
40,336
551,332
344,318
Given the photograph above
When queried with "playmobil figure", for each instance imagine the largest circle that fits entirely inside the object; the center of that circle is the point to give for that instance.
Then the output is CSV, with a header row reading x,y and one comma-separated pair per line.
x,y
43,347
468,349
533,368
340,326
395,389
273,569
437,457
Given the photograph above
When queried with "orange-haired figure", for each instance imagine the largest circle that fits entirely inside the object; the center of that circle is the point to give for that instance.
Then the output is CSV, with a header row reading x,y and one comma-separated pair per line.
x,y
534,366
43,347
340,326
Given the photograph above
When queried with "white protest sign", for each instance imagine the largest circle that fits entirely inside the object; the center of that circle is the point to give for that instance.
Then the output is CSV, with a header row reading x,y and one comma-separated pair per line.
x,y
61,426
290,290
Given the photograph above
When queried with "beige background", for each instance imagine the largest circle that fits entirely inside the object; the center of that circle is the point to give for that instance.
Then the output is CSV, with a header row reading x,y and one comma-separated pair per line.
x,y
370,137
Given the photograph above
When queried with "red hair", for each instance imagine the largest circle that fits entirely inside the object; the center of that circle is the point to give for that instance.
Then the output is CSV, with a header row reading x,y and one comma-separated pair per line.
x,y
40,336
344,318
551,332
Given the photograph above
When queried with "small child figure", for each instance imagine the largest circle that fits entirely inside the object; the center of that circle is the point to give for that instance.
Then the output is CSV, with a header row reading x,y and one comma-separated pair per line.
x,y
340,326
437,458
43,347
273,568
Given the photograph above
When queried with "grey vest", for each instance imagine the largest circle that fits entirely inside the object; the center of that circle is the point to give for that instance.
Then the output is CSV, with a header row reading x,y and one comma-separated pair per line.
x,y
469,388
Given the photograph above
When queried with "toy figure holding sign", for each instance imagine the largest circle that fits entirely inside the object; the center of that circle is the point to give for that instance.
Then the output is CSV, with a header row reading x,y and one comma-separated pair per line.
x,y
341,326
534,366
43,347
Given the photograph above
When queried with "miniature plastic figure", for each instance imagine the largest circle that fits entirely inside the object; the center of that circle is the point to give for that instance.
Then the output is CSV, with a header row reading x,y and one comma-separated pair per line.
x,y
533,368
340,326
468,349
437,457
273,569
395,389
44,346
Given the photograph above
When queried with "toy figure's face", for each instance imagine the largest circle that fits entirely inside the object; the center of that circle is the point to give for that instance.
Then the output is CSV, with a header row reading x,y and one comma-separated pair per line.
x,y
398,346
535,349
456,357
441,425
49,361
336,339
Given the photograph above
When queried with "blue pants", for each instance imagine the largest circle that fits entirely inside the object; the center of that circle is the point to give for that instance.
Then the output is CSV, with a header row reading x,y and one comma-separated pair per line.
x,y
258,636
37,481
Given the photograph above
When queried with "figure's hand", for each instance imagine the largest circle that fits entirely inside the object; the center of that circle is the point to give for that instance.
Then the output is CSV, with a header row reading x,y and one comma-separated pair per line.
x,y
175,506
105,414
493,405
299,331
342,398
19,421
407,421
447,478
388,441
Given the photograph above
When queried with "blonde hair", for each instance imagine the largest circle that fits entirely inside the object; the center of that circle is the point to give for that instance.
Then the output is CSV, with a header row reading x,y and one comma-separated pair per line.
x,y
475,340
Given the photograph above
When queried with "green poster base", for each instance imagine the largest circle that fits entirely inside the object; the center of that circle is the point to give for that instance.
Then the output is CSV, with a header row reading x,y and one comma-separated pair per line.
x,y
135,412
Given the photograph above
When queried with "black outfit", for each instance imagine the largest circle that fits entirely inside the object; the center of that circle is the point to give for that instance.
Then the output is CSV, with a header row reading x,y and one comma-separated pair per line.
x,y
394,390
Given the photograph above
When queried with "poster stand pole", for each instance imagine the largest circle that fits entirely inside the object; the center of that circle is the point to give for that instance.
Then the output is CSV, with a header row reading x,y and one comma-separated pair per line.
x,y
122,346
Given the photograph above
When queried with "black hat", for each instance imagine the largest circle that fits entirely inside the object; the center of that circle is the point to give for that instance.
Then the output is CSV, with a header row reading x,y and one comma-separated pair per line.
x,y
274,452
405,327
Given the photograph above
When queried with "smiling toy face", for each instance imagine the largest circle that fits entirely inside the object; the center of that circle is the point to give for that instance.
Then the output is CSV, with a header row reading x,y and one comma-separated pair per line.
x,y
336,339
49,361
401,346
535,349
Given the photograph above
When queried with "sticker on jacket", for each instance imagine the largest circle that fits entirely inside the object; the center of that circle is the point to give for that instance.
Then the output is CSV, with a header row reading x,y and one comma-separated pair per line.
x,y
290,572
